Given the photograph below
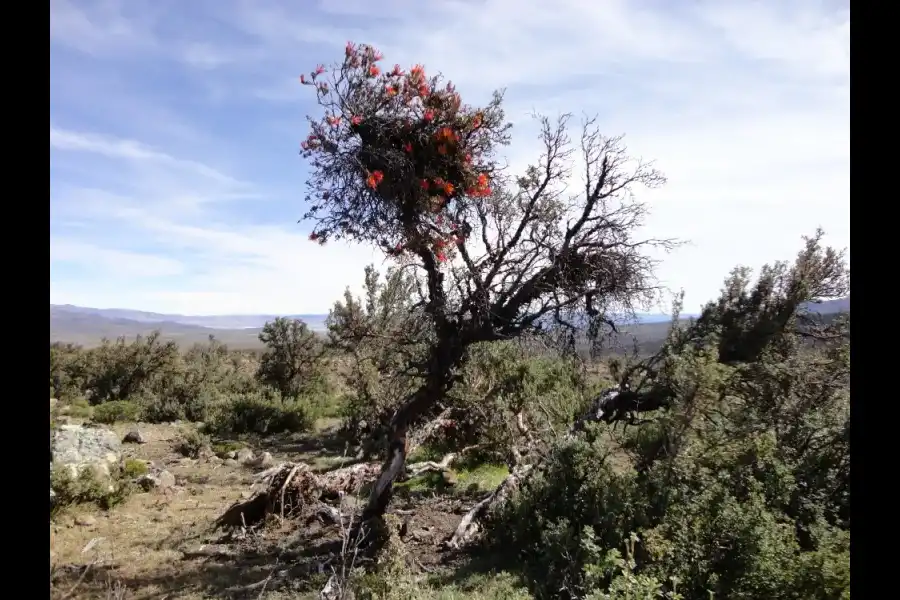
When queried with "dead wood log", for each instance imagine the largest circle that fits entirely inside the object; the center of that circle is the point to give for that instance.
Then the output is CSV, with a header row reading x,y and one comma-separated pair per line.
x,y
294,490
470,525
609,406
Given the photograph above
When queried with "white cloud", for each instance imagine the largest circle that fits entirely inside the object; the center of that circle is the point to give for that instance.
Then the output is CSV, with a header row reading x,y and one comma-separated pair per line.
x,y
743,104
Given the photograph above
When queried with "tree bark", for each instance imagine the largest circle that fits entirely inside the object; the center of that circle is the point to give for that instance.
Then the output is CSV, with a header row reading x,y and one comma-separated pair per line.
x,y
395,463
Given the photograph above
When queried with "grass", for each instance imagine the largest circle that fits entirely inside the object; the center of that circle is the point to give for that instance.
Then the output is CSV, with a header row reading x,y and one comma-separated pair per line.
x,y
162,544
477,478
485,477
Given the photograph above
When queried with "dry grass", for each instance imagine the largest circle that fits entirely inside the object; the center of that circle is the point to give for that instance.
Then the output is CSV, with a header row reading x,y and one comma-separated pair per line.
x,y
158,544
162,545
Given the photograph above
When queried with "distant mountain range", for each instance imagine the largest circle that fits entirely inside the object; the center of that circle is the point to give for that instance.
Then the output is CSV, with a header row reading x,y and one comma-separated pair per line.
x,y
87,326
210,321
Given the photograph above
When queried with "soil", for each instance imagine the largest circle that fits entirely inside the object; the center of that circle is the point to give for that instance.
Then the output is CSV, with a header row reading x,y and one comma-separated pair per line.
x,y
163,543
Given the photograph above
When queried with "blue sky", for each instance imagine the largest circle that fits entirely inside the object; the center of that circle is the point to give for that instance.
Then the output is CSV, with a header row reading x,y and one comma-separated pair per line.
x,y
175,179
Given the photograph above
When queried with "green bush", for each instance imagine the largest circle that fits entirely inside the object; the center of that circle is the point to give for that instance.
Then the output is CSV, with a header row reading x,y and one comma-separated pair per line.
x,y
739,490
117,411
153,379
89,488
262,414
191,443
133,468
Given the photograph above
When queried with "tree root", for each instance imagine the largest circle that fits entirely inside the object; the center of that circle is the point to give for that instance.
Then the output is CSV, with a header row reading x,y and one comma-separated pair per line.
x,y
294,491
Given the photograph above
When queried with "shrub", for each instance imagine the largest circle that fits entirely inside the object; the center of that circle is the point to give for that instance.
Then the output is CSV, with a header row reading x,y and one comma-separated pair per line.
x,y
87,487
133,468
262,414
293,360
117,411
191,443
167,385
739,490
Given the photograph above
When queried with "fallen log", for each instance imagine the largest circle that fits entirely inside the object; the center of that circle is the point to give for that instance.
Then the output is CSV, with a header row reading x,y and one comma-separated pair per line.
x,y
294,490
470,525
610,405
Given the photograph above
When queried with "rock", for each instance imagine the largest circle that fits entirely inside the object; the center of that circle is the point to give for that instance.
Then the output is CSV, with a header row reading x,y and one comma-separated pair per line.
x,y
134,437
166,479
244,455
86,520
264,460
148,482
163,480
73,444
76,448
230,462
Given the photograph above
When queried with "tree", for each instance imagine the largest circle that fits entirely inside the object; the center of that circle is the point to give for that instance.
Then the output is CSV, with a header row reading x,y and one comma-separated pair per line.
x,y
398,161
381,335
292,360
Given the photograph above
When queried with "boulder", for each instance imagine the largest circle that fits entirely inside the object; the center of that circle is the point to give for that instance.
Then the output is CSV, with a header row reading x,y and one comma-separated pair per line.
x,y
134,437
77,445
76,448
163,480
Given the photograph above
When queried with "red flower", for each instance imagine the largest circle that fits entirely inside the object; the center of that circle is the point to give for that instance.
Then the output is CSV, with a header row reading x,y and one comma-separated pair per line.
x,y
374,179
446,134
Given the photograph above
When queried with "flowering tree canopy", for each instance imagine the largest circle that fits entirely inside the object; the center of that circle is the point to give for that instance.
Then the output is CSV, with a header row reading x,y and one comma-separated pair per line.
x,y
399,161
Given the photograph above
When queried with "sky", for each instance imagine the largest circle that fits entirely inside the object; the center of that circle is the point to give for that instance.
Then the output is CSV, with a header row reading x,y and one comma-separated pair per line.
x,y
176,184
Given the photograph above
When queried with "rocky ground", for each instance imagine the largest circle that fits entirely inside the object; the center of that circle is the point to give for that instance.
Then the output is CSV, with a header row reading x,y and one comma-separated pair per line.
x,y
161,542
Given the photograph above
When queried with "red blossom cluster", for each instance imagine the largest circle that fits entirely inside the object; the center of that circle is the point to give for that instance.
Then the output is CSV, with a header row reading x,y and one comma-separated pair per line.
x,y
427,123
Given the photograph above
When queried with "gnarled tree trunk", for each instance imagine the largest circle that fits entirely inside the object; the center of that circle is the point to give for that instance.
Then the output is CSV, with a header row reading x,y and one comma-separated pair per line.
x,y
445,356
